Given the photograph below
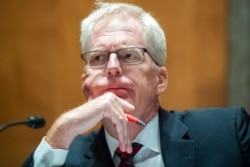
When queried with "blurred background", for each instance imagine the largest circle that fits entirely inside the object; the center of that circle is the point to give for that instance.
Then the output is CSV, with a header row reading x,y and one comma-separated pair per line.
x,y
40,71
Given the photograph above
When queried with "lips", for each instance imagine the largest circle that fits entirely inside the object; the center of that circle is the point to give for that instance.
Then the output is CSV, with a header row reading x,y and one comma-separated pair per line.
x,y
119,91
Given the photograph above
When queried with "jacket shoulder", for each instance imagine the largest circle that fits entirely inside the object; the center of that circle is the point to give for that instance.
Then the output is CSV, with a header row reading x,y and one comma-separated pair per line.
x,y
216,128
233,113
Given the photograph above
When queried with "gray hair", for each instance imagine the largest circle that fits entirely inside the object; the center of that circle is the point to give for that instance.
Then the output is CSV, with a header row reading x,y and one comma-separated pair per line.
x,y
154,37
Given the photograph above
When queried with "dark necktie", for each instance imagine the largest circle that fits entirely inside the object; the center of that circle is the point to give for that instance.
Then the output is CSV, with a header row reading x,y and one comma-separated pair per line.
x,y
127,159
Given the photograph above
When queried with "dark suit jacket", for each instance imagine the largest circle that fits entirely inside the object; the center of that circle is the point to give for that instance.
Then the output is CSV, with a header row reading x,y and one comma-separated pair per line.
x,y
215,137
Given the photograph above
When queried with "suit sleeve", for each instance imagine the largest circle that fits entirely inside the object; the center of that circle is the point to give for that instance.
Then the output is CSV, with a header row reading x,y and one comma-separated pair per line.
x,y
29,162
242,122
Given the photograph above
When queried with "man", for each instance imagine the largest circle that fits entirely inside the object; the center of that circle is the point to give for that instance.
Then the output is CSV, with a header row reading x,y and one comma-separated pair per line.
x,y
124,50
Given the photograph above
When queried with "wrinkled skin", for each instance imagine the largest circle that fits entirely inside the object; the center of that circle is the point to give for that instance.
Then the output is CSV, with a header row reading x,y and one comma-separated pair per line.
x,y
114,89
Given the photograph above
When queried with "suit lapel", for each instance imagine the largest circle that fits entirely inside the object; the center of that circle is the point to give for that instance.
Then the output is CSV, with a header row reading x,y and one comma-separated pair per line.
x,y
176,148
98,155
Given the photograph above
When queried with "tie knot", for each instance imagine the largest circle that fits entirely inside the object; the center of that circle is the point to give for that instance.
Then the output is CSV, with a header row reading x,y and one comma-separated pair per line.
x,y
126,158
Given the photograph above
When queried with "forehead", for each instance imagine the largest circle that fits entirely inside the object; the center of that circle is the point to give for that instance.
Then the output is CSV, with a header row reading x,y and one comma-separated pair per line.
x,y
116,30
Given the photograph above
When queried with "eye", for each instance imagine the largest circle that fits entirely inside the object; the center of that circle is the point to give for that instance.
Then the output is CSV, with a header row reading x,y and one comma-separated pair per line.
x,y
97,58
130,56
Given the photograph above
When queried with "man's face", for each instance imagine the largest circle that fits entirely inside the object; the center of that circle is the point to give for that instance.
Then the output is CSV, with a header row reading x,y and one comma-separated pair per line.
x,y
139,84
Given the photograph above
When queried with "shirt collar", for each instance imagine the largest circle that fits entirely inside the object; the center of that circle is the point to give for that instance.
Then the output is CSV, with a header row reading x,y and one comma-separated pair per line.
x,y
149,137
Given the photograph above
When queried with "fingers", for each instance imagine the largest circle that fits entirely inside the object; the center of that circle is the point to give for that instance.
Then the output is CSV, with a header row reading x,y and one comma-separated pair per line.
x,y
121,127
124,141
115,115
107,108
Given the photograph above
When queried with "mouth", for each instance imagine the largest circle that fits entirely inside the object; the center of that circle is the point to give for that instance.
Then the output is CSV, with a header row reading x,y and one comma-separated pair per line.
x,y
120,92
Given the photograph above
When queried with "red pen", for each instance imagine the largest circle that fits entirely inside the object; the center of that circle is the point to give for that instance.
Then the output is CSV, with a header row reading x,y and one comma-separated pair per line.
x,y
134,120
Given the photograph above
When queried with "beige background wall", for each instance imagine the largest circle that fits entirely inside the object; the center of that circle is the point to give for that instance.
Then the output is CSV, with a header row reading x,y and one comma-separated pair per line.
x,y
40,64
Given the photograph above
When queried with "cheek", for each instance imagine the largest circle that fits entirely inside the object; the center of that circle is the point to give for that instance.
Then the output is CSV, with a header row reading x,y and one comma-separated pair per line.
x,y
146,81
88,81
85,87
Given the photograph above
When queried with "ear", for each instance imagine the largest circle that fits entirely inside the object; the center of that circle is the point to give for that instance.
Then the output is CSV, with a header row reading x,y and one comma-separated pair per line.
x,y
84,89
163,79
84,76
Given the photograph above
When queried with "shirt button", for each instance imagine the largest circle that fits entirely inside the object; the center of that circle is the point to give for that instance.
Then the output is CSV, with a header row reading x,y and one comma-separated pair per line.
x,y
46,162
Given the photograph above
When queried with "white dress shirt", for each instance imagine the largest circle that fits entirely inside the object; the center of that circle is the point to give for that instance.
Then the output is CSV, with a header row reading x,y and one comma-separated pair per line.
x,y
148,156
46,156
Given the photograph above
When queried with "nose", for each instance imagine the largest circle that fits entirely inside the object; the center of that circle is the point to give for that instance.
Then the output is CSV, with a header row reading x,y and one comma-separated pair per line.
x,y
113,66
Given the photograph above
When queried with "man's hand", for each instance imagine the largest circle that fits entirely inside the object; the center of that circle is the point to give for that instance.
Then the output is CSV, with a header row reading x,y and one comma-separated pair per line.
x,y
81,119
